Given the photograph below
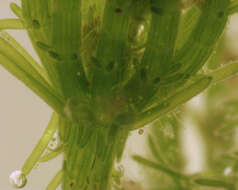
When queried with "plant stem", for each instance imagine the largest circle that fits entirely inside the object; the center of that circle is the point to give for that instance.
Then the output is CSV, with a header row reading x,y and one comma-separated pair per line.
x,y
89,155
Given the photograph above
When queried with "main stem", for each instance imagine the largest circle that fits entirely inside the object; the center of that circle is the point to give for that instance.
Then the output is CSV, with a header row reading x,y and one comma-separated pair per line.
x,y
89,155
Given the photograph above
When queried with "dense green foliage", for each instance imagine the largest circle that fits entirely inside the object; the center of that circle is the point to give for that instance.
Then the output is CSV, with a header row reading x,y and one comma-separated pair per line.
x,y
110,67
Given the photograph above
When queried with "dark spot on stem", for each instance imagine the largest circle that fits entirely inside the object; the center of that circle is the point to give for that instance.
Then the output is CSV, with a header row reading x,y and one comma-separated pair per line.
x,y
156,80
71,184
220,14
95,62
54,55
110,66
75,56
42,46
35,24
174,68
118,10
186,76
157,10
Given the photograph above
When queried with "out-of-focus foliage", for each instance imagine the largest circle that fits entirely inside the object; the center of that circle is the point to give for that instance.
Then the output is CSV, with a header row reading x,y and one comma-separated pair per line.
x,y
216,120
218,126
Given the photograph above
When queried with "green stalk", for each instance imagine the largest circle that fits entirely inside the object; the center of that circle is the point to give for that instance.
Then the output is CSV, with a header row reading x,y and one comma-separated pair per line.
x,y
56,181
6,24
172,102
41,145
104,78
202,41
89,157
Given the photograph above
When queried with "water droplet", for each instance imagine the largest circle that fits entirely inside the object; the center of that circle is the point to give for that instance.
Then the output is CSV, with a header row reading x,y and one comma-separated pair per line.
x,y
17,179
54,142
141,132
227,171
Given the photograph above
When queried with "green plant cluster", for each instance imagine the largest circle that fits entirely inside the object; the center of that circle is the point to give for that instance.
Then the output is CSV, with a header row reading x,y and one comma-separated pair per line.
x,y
107,68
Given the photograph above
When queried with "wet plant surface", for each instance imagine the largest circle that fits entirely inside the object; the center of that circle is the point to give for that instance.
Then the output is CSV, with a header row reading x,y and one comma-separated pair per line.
x,y
108,68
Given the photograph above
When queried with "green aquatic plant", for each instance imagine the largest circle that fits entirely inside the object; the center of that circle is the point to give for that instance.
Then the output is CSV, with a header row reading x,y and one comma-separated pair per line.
x,y
108,68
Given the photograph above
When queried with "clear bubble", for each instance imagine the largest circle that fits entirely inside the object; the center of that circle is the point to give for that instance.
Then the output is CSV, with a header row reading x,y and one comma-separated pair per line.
x,y
55,142
140,131
228,171
17,179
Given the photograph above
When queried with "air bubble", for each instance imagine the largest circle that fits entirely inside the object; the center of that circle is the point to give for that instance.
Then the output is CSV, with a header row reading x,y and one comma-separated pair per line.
x,y
18,179
141,132
228,171
54,143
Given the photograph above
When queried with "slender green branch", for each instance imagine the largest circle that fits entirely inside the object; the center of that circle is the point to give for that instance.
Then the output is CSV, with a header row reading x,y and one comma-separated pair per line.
x,y
56,181
17,47
172,102
154,150
161,37
41,145
12,23
204,36
20,58
159,167
19,61
16,9
187,24
50,98
214,183
114,33
51,155
224,72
